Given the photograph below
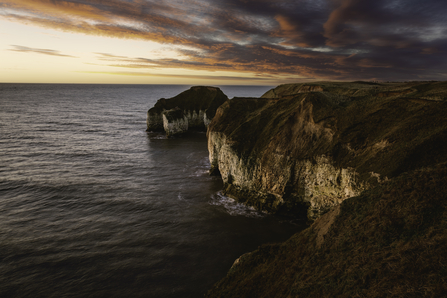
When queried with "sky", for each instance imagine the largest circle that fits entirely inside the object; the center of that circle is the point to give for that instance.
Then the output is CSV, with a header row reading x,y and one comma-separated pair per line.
x,y
222,42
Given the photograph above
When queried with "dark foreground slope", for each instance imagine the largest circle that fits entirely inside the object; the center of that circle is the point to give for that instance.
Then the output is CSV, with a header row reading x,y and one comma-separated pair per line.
x,y
391,241
304,148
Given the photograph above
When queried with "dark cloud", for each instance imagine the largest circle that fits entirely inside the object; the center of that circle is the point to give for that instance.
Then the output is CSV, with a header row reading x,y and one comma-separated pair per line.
x,y
394,23
49,52
322,39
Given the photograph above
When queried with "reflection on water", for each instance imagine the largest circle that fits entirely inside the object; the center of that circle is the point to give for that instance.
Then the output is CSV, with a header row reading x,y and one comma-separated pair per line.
x,y
93,206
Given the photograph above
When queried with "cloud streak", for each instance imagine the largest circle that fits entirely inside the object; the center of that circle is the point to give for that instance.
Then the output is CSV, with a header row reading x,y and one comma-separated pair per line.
x,y
48,52
177,76
322,39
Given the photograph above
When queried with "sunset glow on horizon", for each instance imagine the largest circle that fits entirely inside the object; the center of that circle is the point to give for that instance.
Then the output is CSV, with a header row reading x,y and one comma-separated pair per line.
x,y
223,42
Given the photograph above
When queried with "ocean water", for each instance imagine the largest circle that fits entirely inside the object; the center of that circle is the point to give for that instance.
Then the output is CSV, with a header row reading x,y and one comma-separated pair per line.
x,y
91,205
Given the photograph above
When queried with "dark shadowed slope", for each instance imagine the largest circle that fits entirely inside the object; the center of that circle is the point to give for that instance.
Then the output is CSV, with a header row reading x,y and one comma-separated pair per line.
x,y
391,241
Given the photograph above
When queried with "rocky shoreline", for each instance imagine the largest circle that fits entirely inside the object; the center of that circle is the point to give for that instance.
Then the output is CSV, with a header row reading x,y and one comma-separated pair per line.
x,y
334,153
308,147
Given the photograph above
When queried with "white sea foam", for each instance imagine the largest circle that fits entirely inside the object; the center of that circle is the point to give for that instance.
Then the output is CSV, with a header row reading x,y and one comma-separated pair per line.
x,y
201,168
233,207
200,173
157,136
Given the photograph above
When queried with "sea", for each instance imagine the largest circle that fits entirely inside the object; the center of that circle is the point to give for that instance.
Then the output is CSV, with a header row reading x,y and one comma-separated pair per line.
x,y
92,205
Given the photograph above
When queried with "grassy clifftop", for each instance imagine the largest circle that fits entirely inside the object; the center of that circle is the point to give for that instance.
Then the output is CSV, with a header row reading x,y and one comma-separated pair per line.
x,y
371,131
391,241
194,99
388,241
195,107
385,128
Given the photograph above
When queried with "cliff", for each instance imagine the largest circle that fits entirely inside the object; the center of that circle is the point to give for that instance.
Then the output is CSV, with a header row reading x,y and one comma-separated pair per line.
x,y
302,149
390,241
191,109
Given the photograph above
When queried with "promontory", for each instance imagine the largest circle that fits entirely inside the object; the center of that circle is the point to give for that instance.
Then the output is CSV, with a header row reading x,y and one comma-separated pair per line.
x,y
302,149
364,163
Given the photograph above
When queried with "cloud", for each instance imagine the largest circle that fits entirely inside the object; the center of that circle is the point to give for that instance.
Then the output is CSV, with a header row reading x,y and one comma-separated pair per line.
x,y
392,23
323,39
49,52
200,77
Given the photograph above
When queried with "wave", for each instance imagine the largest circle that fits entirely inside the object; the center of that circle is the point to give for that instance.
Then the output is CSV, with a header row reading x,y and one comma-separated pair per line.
x,y
233,207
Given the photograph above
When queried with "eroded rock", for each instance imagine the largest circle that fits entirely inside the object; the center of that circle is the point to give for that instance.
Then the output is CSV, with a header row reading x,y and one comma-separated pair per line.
x,y
308,149
175,122
191,109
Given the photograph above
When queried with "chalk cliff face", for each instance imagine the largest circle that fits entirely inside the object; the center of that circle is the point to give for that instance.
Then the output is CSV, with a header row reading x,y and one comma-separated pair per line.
x,y
303,149
175,122
191,109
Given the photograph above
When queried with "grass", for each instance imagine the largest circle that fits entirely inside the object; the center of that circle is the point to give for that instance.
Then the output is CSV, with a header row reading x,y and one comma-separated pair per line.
x,y
193,99
196,99
391,241
349,123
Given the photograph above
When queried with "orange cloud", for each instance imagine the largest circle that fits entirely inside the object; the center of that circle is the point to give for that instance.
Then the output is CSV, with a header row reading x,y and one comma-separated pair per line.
x,y
268,37
57,9
285,24
105,18
290,32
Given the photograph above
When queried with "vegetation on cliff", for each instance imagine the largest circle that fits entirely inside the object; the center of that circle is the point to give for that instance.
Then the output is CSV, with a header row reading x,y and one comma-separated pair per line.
x,y
311,146
196,106
390,241
385,239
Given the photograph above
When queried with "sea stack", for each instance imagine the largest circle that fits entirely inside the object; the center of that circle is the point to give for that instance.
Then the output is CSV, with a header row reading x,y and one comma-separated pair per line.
x,y
191,109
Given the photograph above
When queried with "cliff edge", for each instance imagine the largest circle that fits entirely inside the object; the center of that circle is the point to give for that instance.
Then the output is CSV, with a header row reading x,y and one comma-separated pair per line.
x,y
302,149
390,241
191,109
